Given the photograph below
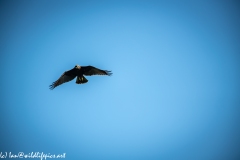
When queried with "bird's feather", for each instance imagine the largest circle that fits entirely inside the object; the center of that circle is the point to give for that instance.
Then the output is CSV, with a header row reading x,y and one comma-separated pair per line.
x,y
81,79
90,70
65,77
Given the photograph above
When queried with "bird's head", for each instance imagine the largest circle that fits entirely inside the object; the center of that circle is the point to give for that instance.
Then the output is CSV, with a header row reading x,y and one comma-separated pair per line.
x,y
77,66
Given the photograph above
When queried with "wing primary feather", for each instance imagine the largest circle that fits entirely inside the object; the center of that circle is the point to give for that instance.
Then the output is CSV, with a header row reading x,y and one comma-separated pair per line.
x,y
109,73
90,70
65,77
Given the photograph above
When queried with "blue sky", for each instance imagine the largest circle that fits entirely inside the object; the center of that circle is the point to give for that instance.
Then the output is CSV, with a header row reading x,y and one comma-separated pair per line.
x,y
174,93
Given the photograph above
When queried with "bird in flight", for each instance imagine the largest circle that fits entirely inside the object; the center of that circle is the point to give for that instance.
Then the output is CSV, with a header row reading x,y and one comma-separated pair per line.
x,y
79,71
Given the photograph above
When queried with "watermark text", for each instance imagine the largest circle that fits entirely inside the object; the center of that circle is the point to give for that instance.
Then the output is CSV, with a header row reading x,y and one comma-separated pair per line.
x,y
37,155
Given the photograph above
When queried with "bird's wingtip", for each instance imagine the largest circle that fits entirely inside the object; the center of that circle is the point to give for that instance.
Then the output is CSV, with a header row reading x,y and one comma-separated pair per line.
x,y
51,87
109,73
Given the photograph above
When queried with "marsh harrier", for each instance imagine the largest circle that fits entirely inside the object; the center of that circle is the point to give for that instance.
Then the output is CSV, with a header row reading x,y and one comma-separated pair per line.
x,y
79,71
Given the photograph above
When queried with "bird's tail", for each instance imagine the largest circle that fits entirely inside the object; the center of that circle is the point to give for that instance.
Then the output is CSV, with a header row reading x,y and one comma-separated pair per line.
x,y
81,79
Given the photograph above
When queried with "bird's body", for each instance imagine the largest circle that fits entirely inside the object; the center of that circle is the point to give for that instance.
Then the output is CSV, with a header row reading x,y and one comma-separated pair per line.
x,y
79,71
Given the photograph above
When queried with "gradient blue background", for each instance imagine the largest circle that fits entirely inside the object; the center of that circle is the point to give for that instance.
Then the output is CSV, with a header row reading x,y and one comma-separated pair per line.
x,y
174,93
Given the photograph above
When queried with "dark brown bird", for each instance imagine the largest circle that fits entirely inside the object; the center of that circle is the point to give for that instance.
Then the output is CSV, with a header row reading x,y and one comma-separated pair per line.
x,y
79,71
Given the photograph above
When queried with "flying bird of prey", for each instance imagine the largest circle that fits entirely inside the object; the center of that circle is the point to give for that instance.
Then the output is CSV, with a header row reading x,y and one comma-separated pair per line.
x,y
79,71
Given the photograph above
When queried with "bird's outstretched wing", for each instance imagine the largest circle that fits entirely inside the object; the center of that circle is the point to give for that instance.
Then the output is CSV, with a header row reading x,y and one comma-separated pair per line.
x,y
90,70
65,77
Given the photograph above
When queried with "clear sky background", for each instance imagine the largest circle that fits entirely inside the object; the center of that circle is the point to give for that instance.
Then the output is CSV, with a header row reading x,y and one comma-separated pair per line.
x,y
174,93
